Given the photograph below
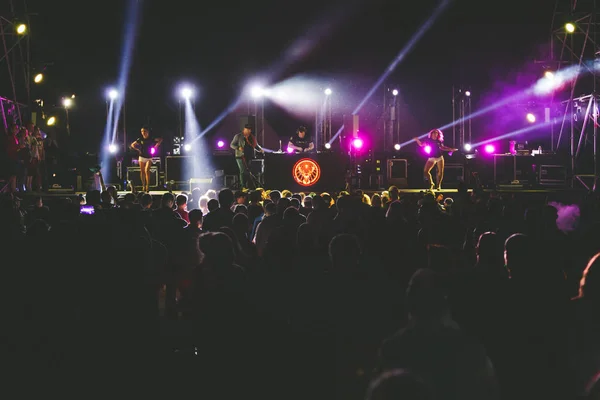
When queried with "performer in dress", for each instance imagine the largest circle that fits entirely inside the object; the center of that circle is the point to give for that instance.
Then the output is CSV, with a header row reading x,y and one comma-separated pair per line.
x,y
244,144
301,142
435,140
147,147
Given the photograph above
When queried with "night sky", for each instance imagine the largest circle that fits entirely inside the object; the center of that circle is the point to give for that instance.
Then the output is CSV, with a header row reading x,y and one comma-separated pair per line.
x,y
220,45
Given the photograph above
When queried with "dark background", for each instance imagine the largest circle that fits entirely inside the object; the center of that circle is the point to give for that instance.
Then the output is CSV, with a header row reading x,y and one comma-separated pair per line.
x,y
219,46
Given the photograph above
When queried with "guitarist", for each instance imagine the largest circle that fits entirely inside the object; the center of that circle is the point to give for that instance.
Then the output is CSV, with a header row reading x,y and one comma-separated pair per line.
x,y
244,144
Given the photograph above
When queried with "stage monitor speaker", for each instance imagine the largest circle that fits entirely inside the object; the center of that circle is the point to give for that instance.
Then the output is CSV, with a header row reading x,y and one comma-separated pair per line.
x,y
248,120
134,176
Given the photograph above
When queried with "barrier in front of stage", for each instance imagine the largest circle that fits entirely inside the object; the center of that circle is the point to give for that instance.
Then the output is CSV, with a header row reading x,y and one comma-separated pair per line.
x,y
305,172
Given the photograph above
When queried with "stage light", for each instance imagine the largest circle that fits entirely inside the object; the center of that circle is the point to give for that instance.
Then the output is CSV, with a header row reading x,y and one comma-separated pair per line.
x,y
328,92
67,102
21,29
327,146
153,150
38,78
468,147
569,27
549,75
290,150
530,117
357,143
397,147
220,144
490,149
395,92
112,148
51,121
427,149
257,92
186,92
468,94
113,94
187,147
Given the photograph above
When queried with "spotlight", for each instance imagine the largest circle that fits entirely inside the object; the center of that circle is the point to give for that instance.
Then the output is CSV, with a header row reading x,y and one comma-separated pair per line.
x,y
327,146
21,29
397,147
113,94
530,117
290,150
257,92
490,149
468,93
328,92
569,27
51,121
112,148
427,149
549,75
220,144
67,102
395,92
468,147
38,78
187,147
357,143
186,92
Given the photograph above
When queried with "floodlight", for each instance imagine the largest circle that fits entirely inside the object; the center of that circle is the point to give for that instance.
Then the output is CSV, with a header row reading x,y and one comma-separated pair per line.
x,y
113,94
530,117
38,78
395,92
112,148
327,146
51,121
257,92
187,147
569,27
397,147
328,92
186,92
21,29
468,147
67,102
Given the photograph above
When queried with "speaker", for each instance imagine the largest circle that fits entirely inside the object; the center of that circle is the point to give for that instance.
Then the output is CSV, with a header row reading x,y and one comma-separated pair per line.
x,y
397,170
248,120
175,166
134,176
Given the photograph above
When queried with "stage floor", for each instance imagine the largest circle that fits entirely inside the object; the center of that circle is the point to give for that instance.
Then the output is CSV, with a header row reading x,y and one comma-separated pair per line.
x,y
503,189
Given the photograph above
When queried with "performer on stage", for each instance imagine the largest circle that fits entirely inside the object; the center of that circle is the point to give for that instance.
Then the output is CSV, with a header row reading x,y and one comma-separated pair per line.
x,y
435,141
301,142
244,144
147,147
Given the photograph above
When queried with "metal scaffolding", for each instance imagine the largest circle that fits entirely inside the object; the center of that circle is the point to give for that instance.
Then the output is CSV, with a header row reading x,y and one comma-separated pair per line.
x,y
391,118
323,123
15,71
461,123
579,105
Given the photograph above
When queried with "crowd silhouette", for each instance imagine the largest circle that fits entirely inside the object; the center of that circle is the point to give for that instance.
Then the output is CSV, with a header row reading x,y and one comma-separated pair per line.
x,y
284,295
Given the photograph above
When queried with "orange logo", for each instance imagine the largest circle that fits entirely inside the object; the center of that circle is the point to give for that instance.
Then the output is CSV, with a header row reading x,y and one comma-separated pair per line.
x,y
306,172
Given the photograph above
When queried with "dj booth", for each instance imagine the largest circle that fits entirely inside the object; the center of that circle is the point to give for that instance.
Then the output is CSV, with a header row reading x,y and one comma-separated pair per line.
x,y
306,172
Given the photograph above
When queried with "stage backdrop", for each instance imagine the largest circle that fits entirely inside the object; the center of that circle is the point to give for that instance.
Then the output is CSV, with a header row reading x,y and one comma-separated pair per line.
x,y
311,172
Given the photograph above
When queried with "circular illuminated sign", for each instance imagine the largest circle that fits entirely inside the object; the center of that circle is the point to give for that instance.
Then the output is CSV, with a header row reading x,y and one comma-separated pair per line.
x,y
306,172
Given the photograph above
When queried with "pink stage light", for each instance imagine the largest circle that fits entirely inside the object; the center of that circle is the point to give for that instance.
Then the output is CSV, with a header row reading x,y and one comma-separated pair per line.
x,y
220,144
490,149
428,149
290,150
152,150
357,143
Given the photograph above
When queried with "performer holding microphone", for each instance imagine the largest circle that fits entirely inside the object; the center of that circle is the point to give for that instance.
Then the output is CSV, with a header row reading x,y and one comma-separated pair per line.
x,y
301,142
